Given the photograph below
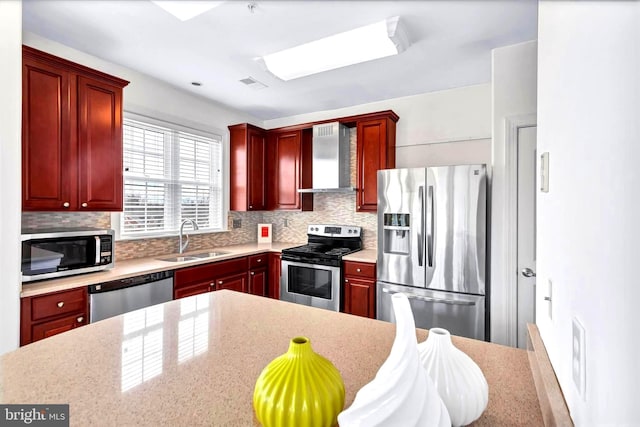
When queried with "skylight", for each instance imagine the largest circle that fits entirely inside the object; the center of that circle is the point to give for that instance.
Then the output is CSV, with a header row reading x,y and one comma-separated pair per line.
x,y
186,9
374,41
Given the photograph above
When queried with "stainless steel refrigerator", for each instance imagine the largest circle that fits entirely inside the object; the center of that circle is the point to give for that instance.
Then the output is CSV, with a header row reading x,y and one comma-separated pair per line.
x,y
432,226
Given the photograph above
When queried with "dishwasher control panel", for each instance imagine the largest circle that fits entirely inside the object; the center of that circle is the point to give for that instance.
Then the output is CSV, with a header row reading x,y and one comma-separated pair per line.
x,y
130,281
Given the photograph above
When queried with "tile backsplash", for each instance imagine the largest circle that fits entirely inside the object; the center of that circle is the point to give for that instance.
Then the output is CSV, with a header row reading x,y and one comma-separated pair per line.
x,y
42,220
328,208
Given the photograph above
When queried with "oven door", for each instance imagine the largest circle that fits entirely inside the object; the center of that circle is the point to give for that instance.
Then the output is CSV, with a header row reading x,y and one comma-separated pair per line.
x,y
311,284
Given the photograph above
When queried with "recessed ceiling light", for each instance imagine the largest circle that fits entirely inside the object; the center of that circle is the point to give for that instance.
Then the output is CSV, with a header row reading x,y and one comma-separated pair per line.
x,y
196,83
362,44
186,9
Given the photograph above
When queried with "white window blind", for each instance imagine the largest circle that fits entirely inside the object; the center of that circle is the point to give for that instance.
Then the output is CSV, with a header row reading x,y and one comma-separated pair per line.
x,y
170,175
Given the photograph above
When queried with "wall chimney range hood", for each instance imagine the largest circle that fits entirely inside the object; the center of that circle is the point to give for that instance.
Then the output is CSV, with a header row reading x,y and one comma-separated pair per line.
x,y
330,160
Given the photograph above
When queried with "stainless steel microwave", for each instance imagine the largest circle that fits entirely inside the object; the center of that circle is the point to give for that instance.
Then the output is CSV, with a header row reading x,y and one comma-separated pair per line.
x,y
63,252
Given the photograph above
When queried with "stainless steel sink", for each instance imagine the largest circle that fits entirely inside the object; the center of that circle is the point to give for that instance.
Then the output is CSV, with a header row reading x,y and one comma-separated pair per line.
x,y
192,257
179,258
209,254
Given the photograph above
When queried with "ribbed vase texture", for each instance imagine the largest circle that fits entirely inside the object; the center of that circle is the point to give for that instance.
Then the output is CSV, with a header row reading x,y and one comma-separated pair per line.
x,y
299,388
401,394
459,380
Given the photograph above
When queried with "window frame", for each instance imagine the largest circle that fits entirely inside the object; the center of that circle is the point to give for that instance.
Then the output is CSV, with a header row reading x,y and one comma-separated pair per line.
x,y
193,128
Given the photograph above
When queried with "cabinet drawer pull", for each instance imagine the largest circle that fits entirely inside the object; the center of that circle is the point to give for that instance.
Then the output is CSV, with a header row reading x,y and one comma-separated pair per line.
x,y
358,270
61,304
80,319
259,260
220,282
84,205
253,273
65,204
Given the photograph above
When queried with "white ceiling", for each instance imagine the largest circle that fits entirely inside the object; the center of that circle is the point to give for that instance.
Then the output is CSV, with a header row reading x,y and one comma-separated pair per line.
x,y
451,44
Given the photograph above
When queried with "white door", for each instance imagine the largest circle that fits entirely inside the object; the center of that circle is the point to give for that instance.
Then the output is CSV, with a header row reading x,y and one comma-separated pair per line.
x,y
526,231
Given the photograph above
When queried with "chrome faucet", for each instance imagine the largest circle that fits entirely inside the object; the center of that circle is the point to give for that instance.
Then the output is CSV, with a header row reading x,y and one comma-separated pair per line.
x,y
195,227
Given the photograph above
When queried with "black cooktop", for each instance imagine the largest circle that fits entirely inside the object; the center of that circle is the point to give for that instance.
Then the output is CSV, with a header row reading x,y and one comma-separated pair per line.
x,y
326,244
320,249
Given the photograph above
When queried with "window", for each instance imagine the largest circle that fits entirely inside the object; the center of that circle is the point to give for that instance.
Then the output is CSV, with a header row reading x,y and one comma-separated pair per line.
x,y
170,175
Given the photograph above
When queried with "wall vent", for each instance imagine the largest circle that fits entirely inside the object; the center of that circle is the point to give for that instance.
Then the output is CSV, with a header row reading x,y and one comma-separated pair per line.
x,y
325,130
253,83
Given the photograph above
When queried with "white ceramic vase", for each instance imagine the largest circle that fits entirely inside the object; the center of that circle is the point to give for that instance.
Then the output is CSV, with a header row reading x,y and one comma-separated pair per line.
x,y
459,380
401,394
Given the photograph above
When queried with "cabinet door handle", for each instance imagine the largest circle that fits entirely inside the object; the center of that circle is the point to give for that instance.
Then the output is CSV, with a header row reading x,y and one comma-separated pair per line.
x,y
61,304
212,284
250,207
346,280
84,205
220,282
80,319
259,260
65,204
253,273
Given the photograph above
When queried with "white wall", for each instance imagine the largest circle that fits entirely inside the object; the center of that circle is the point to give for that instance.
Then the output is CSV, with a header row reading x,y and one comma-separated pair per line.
x,y
445,153
10,136
588,121
514,74
459,114
149,96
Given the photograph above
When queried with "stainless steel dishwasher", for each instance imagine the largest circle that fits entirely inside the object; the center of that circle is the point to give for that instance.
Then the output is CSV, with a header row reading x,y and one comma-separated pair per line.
x,y
121,296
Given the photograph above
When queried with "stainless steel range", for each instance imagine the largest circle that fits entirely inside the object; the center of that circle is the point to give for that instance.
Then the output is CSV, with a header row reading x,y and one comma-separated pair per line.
x,y
312,273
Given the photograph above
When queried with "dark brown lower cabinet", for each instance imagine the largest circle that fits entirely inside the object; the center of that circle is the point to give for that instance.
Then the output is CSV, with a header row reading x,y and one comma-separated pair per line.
x,y
46,315
360,289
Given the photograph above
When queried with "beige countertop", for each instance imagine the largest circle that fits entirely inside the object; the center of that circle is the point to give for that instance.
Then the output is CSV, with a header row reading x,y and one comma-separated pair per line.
x,y
195,361
134,267
365,255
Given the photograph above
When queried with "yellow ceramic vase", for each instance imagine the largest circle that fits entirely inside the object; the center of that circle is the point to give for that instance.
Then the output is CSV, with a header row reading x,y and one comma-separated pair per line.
x,y
299,388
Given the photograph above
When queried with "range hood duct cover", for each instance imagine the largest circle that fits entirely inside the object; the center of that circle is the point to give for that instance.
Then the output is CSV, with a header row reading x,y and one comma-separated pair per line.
x,y
331,159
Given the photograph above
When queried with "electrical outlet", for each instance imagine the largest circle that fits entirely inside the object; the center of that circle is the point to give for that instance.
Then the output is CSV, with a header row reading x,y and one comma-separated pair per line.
x,y
578,360
286,222
237,223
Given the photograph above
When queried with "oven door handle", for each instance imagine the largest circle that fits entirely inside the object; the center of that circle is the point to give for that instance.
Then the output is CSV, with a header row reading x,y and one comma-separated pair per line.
x,y
429,299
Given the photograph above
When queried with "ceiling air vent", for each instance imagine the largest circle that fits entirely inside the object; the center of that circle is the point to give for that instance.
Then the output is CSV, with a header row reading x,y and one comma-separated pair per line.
x,y
253,83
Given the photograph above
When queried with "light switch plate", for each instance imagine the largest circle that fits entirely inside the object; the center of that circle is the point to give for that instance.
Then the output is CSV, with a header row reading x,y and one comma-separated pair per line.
x,y
544,172
578,360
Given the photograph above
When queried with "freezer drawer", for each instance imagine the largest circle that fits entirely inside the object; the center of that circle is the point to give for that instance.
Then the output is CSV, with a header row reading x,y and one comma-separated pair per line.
x,y
460,314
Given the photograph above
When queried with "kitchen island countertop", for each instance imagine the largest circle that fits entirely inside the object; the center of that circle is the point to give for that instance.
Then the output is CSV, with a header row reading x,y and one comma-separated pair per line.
x,y
195,361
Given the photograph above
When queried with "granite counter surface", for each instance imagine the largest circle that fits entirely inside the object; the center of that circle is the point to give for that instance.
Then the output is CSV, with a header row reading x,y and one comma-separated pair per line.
x,y
139,266
195,361
365,255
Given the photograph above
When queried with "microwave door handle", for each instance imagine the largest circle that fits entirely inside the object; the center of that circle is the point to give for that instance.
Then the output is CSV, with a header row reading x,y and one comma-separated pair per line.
x,y
97,249
421,230
429,299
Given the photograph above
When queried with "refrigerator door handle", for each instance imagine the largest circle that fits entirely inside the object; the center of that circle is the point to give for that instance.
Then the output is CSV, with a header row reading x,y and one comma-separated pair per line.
x,y
430,229
429,299
421,230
